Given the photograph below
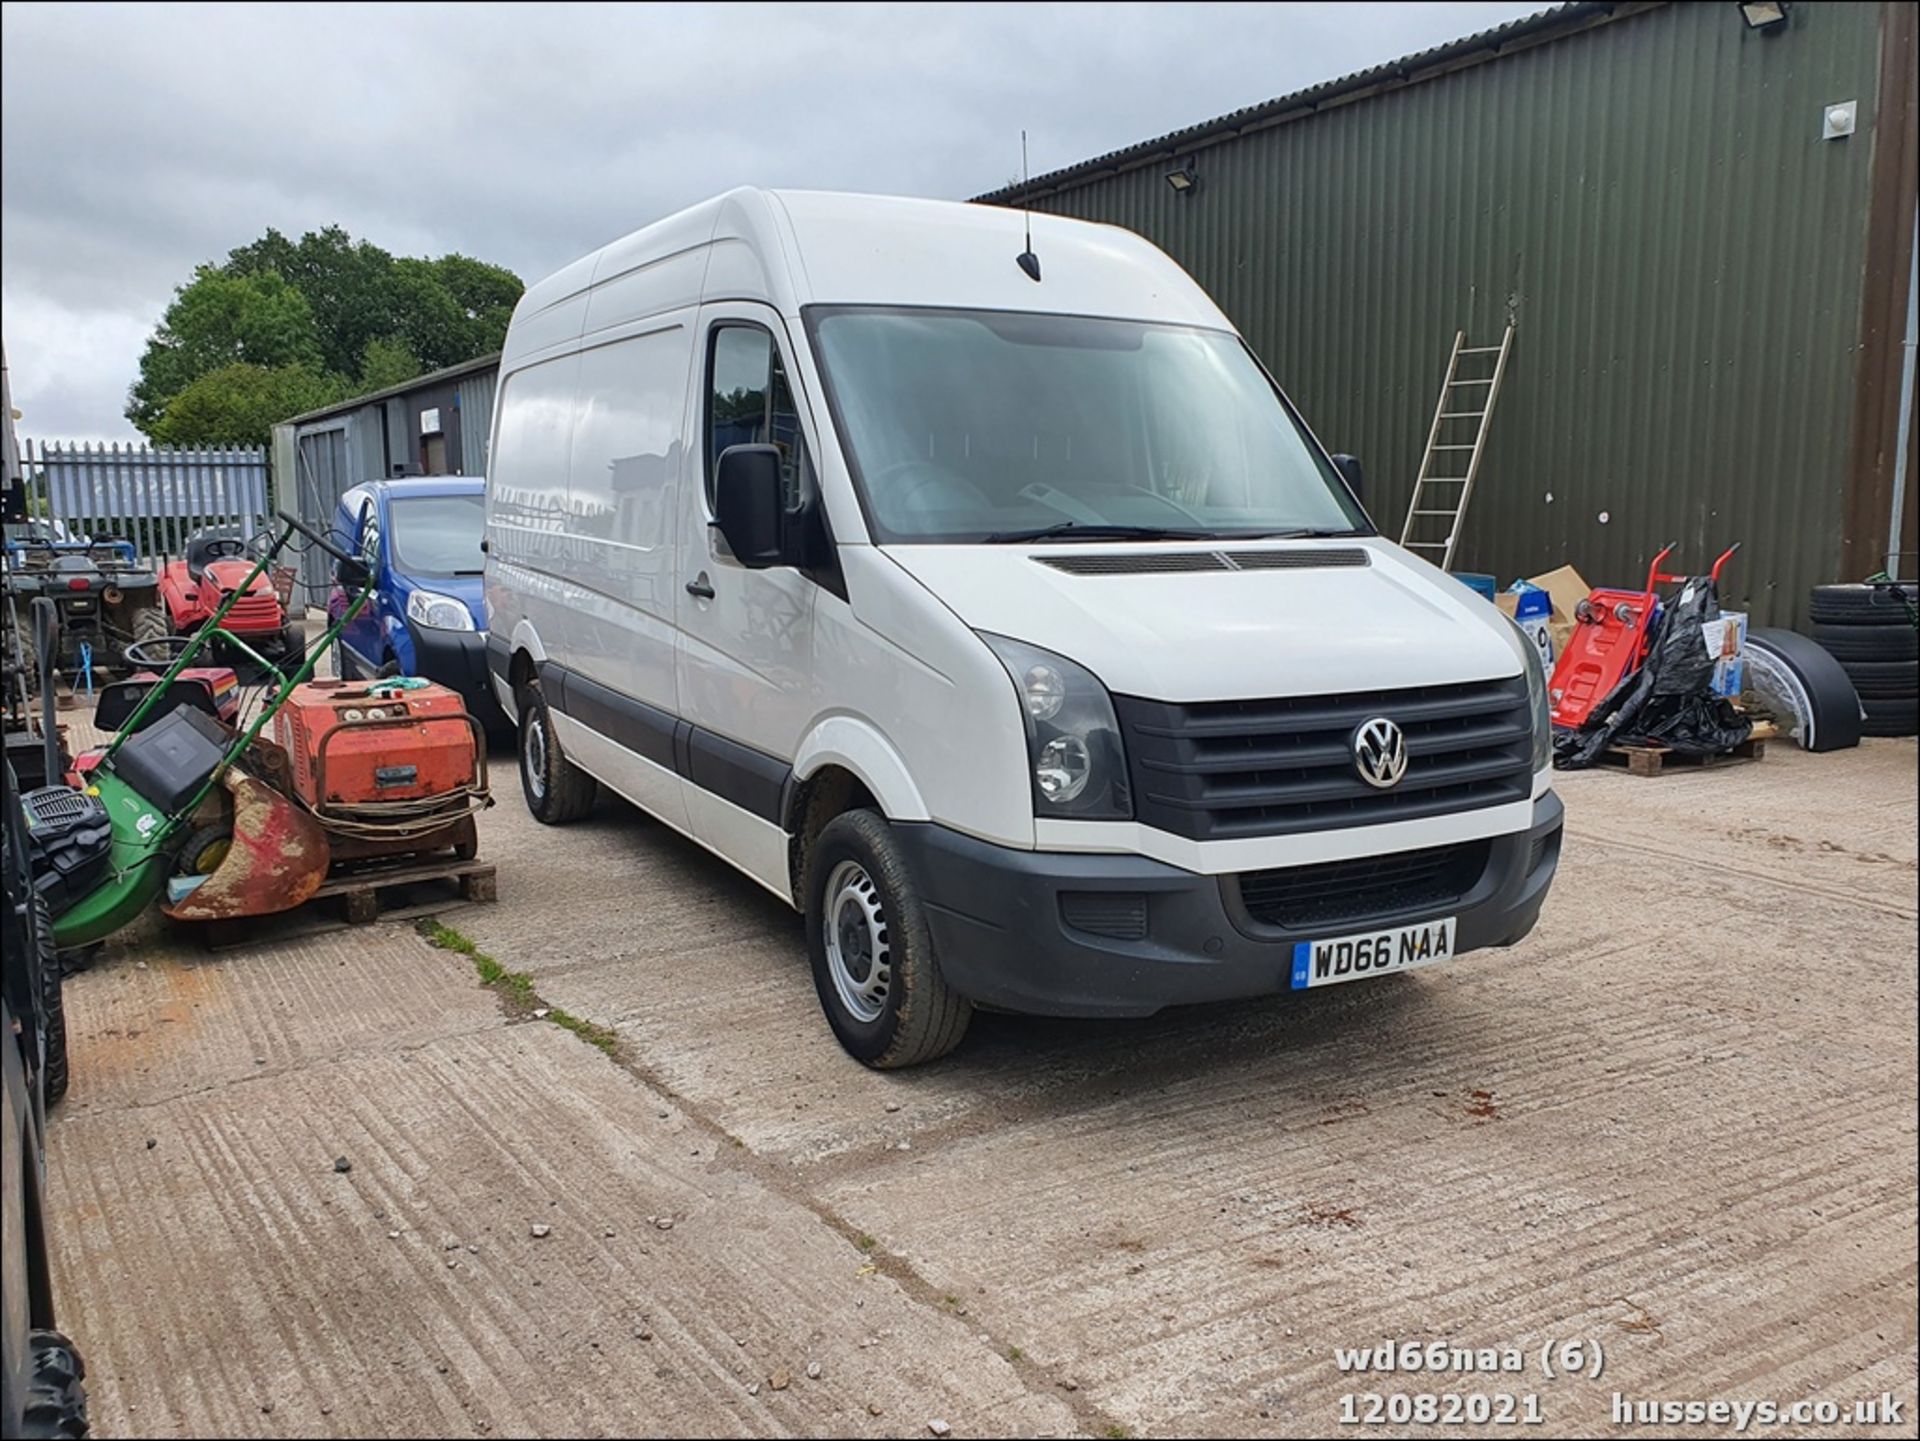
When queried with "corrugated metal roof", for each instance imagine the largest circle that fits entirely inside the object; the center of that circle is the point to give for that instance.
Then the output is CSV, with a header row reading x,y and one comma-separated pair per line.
x,y
1651,202
489,361
1480,46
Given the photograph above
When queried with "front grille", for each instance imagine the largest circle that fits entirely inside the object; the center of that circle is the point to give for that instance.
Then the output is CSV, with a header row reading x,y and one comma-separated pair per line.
x,y
1366,888
1219,769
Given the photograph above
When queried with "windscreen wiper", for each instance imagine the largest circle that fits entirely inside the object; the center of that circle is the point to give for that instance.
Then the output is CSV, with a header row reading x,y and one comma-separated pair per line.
x,y
1303,533
1088,530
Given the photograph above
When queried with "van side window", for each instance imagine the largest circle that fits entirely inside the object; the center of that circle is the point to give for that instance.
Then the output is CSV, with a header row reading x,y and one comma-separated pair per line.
x,y
370,536
750,403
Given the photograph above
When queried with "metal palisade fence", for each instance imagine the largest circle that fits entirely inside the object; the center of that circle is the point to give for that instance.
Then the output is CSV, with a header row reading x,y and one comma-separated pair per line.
x,y
153,497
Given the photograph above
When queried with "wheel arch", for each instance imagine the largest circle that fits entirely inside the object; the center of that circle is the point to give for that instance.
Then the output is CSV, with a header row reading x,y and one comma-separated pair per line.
x,y
844,764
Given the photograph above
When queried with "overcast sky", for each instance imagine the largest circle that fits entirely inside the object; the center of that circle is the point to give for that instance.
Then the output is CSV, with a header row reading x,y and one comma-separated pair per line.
x,y
140,140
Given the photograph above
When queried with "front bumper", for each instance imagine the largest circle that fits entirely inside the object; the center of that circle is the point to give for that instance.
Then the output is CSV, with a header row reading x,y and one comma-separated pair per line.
x,y
457,659
1003,941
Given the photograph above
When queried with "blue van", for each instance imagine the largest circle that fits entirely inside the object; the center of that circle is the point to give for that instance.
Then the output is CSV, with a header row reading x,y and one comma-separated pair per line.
x,y
421,538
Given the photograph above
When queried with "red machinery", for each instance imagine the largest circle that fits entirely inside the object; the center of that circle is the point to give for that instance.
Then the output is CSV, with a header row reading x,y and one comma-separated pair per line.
x,y
217,565
1612,632
385,767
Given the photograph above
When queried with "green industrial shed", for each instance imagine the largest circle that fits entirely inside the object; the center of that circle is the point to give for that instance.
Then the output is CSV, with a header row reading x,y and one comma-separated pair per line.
x,y
1711,283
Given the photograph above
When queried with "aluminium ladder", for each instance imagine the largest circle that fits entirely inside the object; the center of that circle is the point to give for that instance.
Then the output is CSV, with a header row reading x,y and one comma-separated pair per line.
x,y
1439,502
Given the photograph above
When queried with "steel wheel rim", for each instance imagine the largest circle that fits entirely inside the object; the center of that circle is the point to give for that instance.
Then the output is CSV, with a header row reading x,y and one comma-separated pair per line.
x,y
859,955
535,755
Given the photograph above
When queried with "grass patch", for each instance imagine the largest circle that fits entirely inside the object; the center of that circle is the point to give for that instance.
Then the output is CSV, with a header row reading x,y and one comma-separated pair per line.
x,y
515,986
865,1242
587,1031
1014,1353
1117,1433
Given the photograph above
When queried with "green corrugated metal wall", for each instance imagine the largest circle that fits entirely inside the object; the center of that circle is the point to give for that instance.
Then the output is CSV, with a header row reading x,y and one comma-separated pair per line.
x,y
1681,250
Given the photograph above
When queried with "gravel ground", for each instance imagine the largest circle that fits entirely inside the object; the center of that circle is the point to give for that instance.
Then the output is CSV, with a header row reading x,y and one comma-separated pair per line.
x,y
1678,1121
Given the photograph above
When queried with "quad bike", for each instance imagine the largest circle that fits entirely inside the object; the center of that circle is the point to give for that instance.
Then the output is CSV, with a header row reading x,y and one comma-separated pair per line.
x,y
105,597
219,821
218,576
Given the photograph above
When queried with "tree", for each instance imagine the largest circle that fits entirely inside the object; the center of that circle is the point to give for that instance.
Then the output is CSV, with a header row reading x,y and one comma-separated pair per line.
x,y
240,404
387,363
336,310
216,320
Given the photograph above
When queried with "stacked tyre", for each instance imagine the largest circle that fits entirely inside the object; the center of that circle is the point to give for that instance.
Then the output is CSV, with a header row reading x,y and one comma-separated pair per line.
x,y
1871,630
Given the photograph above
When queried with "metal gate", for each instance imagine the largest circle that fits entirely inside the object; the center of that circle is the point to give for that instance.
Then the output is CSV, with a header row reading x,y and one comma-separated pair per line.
x,y
153,497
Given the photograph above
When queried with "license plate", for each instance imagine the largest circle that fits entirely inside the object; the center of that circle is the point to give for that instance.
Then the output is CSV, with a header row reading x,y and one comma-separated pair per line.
x,y
1371,953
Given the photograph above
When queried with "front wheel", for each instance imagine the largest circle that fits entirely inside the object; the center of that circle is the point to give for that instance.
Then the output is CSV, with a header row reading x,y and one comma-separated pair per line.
x,y
872,953
557,790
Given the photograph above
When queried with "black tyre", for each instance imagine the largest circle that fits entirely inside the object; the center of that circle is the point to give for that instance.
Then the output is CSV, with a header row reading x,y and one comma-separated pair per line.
x,y
1884,679
55,1404
872,952
53,1013
1805,688
1891,717
557,790
1850,643
1864,604
149,623
293,649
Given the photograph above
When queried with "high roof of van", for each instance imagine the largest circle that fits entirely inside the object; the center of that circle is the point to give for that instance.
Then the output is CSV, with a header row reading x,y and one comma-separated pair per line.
x,y
793,248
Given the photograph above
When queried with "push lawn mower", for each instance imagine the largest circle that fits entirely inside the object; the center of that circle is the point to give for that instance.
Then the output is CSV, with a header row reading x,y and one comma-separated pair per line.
x,y
225,822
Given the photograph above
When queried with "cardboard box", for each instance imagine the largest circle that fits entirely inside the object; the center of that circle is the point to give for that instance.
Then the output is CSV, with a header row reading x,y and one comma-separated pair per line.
x,y
1726,638
1566,589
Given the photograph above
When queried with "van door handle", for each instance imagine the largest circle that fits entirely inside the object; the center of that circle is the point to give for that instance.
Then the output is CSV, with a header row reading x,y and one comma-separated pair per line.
x,y
699,586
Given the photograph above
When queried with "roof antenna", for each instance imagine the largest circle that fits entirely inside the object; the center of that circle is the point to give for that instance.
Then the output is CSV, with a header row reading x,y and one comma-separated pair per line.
x,y
1027,260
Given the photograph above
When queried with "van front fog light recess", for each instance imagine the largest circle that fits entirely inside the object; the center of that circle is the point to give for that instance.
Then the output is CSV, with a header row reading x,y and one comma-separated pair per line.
x,y
1073,741
1063,769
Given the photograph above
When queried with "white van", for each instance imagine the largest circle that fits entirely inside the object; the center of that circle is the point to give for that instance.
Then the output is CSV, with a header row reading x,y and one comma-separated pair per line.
x,y
994,608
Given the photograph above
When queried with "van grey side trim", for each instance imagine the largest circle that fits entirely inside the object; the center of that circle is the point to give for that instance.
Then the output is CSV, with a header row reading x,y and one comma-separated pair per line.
x,y
499,656
643,729
749,778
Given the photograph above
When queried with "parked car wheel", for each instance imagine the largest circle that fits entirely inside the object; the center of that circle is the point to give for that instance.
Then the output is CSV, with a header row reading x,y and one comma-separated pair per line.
x,y
1805,688
872,952
557,790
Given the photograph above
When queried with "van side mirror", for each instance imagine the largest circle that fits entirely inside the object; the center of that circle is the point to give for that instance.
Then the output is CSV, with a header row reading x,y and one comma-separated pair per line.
x,y
748,505
1350,472
350,574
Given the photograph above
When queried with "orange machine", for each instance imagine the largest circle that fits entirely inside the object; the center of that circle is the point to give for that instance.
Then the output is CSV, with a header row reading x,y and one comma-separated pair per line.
x,y
386,767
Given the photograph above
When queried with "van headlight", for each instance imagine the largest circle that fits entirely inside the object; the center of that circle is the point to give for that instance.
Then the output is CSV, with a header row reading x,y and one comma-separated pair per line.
x,y
438,612
1538,701
1073,741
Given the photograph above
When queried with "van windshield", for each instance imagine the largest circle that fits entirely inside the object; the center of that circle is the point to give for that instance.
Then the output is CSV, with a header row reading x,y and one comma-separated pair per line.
x,y
438,534
967,425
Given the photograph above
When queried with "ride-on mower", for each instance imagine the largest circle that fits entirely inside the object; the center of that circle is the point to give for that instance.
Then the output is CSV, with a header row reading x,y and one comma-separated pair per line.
x,y
218,821
218,575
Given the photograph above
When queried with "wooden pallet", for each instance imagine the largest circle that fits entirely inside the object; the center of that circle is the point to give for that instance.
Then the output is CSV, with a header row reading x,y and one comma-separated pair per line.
x,y
1650,760
362,889
364,895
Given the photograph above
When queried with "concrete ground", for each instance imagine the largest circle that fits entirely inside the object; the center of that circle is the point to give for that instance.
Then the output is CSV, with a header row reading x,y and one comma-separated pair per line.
x,y
1678,1122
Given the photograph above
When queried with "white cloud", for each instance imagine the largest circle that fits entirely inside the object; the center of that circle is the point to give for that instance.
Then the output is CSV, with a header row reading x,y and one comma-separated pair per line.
x,y
141,140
